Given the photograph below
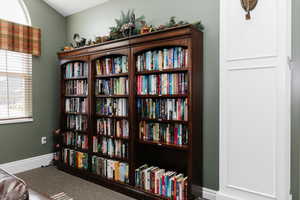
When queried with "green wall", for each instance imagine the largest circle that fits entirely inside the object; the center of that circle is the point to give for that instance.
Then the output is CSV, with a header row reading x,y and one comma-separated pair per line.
x,y
20,141
296,102
96,21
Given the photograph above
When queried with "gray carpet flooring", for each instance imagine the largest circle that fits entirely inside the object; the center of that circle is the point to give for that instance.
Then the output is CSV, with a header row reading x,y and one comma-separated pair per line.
x,y
52,181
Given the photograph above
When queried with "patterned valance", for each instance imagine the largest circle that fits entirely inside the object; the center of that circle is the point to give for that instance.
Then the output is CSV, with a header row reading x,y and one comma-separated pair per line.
x,y
20,38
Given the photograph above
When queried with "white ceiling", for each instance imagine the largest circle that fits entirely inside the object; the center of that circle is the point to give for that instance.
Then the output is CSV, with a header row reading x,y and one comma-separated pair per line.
x,y
67,7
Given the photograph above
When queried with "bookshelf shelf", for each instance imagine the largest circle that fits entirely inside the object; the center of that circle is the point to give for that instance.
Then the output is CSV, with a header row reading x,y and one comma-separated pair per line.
x,y
111,157
156,195
163,96
112,75
111,116
163,121
75,113
163,71
74,95
76,78
103,178
76,131
133,57
161,144
113,137
75,148
112,96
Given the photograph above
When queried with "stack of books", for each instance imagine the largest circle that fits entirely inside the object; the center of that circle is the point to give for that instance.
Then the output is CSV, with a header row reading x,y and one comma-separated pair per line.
x,y
167,58
111,169
75,159
112,127
162,84
165,109
109,66
77,122
76,140
164,133
110,147
76,87
112,86
168,184
76,70
112,107
78,105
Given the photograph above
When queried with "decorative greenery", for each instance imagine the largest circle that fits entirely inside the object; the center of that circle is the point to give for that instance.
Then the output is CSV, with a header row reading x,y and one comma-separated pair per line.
x,y
128,25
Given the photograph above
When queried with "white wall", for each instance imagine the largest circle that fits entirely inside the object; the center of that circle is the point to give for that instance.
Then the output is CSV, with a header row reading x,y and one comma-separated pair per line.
x,y
254,102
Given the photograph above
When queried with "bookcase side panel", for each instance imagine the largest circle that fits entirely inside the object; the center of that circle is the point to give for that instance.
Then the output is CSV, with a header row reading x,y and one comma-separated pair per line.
x,y
197,106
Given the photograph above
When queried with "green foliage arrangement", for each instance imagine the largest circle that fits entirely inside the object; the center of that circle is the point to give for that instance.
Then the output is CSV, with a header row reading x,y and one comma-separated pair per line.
x,y
128,25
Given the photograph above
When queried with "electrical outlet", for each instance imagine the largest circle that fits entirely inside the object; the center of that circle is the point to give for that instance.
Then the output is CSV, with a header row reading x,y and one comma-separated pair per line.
x,y
44,140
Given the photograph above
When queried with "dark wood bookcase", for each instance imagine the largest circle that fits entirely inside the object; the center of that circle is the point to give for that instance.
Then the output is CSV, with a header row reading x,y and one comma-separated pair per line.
x,y
186,159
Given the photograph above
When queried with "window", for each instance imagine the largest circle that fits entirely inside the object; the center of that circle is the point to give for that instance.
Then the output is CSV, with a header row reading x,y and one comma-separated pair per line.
x,y
15,72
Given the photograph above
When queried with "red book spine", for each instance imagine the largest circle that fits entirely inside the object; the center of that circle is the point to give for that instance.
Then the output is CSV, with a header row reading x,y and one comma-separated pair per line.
x,y
163,185
138,84
176,135
174,189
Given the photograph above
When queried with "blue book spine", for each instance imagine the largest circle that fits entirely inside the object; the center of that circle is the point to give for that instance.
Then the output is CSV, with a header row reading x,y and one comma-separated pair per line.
x,y
175,57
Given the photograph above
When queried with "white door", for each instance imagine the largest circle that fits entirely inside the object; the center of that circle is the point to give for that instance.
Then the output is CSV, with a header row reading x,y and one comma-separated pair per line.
x,y
254,101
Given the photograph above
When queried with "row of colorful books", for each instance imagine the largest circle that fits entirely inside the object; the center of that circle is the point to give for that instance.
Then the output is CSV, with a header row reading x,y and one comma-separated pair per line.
x,y
110,147
112,86
113,127
114,65
167,58
164,109
164,133
76,140
168,184
112,106
77,122
162,84
78,105
76,70
75,159
76,87
110,169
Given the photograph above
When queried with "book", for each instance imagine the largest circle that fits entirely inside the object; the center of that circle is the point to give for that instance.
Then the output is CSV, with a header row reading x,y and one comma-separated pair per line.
x,y
76,70
112,86
113,148
77,122
112,106
164,133
77,105
75,159
110,169
76,87
163,109
168,184
112,65
167,58
75,140
113,127
162,84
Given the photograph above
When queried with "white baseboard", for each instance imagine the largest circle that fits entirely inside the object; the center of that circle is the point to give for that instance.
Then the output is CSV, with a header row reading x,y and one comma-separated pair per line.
x,y
27,164
222,196
208,194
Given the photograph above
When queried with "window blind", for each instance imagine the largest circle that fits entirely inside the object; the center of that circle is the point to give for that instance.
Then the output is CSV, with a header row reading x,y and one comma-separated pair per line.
x,y
15,85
